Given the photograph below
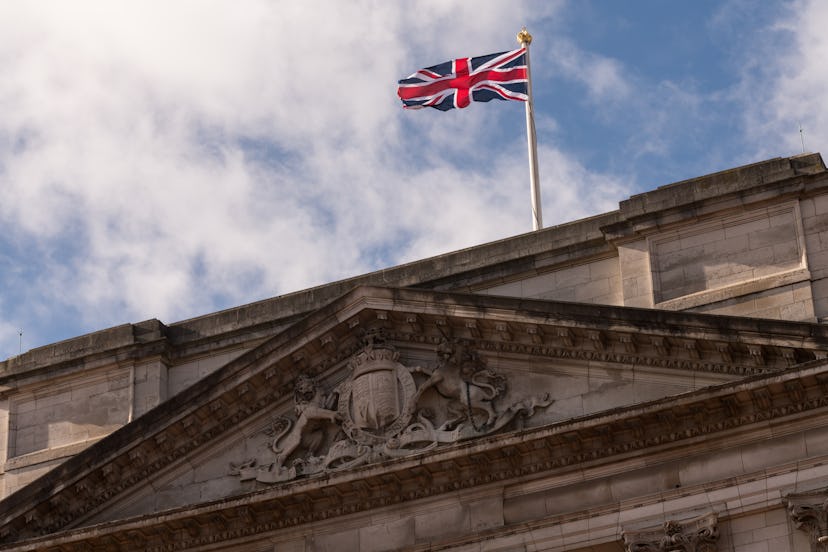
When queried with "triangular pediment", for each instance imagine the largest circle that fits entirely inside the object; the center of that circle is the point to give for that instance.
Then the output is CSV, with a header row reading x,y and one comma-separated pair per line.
x,y
383,387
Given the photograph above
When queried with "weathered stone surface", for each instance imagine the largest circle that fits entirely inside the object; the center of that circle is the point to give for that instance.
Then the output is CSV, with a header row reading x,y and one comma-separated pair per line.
x,y
140,434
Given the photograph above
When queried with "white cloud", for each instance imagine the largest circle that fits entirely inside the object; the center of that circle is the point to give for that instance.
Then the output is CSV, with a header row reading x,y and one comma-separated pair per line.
x,y
605,79
10,341
571,191
784,81
164,160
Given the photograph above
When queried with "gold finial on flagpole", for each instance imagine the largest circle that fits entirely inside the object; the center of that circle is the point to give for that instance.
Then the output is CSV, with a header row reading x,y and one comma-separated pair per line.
x,y
524,38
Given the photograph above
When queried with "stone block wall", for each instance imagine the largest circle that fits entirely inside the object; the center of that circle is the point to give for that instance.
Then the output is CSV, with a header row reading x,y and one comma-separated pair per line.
x,y
57,419
44,422
595,281
766,261
764,531
183,374
80,411
726,251
815,223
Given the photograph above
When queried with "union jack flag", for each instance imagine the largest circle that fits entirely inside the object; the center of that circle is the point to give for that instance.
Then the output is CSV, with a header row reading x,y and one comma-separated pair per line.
x,y
501,76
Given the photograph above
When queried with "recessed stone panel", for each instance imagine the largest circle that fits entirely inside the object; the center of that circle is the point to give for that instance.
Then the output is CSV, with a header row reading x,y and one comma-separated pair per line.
x,y
81,410
726,252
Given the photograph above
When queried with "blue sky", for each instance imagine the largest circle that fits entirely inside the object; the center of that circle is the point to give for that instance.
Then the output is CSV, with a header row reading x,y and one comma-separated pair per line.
x,y
166,160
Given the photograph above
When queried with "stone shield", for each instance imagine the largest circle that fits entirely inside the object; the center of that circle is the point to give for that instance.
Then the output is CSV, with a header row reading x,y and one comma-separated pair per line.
x,y
374,401
374,395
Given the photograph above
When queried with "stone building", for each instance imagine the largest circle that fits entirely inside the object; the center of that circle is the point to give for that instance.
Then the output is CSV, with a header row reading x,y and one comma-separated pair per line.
x,y
649,379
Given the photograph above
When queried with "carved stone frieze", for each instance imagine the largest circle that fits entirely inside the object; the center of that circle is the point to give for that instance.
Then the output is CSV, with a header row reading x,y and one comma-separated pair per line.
x,y
622,355
809,513
700,534
378,412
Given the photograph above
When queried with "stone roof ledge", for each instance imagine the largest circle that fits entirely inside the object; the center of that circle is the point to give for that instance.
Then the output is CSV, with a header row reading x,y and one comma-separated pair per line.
x,y
458,270
736,187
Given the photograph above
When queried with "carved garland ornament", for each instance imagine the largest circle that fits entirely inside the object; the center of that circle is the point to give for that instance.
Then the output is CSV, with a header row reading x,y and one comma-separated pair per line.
x,y
378,413
696,535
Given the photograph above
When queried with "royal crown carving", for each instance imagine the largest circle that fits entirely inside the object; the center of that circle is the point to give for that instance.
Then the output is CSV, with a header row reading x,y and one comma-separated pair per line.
x,y
384,410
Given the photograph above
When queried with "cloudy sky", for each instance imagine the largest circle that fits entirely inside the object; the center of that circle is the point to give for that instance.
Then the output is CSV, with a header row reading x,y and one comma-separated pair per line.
x,y
169,159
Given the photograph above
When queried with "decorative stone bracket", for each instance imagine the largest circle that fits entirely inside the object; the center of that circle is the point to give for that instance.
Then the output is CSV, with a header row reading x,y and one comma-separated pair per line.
x,y
700,534
809,513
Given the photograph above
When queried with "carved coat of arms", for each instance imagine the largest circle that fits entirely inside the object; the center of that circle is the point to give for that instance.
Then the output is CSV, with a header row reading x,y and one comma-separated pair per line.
x,y
376,402
379,412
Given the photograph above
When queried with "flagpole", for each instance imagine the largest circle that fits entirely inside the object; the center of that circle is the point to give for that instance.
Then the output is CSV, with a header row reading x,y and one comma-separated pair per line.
x,y
524,39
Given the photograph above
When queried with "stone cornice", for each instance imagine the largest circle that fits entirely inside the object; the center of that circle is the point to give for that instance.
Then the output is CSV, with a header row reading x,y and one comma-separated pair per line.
x,y
731,189
621,326
84,350
11,383
248,385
